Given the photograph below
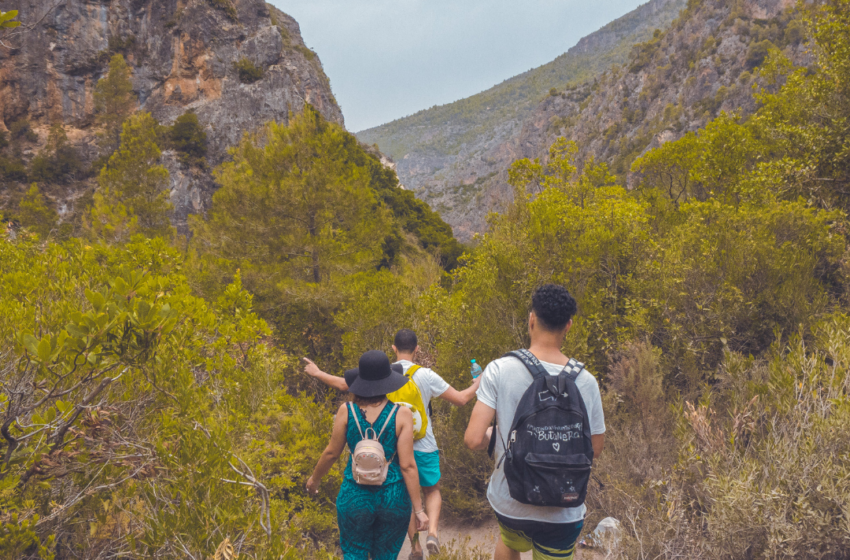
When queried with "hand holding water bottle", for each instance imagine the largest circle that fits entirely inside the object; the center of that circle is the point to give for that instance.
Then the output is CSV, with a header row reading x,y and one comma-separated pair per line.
x,y
475,370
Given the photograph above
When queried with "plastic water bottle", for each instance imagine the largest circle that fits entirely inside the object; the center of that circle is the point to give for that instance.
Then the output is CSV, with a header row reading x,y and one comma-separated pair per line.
x,y
475,370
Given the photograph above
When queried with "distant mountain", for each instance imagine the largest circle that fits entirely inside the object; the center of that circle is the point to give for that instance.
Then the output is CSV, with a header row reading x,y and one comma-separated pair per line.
x,y
448,154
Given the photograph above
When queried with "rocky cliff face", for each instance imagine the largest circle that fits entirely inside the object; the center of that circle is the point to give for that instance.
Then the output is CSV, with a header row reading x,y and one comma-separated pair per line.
x,y
183,55
674,83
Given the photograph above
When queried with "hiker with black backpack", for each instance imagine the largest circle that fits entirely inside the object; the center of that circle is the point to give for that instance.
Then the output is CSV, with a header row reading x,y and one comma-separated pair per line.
x,y
549,426
381,482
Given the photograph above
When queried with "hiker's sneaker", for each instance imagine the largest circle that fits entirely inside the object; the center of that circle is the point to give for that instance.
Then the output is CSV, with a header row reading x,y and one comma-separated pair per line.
x,y
433,545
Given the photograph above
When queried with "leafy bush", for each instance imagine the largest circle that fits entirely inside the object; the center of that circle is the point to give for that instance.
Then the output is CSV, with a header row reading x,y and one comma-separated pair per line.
x,y
225,6
248,71
37,213
22,131
160,417
58,162
757,53
13,169
188,137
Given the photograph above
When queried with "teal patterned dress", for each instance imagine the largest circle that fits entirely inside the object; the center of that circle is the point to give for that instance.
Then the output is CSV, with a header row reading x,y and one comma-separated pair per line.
x,y
373,520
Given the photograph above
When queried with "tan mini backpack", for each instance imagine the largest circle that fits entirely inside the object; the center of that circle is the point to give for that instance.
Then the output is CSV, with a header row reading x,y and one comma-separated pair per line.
x,y
369,464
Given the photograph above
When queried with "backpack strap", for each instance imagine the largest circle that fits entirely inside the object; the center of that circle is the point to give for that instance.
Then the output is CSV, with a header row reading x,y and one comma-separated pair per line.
x,y
533,365
411,370
390,417
353,413
387,421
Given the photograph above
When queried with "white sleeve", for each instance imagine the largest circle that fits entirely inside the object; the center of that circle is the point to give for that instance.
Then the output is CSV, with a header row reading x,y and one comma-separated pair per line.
x,y
436,384
593,402
487,392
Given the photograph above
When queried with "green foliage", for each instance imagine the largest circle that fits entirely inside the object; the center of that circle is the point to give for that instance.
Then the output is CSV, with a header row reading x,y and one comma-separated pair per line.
x,y
225,6
4,139
36,213
133,196
296,212
22,131
757,53
7,19
58,162
162,418
13,169
114,101
248,71
643,53
189,139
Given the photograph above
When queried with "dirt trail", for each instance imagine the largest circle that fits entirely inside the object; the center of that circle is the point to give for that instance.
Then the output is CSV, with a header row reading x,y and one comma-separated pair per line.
x,y
484,536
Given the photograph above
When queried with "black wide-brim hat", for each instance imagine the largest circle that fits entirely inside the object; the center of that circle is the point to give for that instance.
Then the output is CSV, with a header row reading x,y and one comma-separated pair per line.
x,y
375,376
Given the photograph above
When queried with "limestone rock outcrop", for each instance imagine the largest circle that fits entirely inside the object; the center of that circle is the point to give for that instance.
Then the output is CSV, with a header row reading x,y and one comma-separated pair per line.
x,y
183,54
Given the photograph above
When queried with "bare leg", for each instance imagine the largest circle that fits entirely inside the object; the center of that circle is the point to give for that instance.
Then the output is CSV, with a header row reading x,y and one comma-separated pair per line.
x,y
433,505
505,553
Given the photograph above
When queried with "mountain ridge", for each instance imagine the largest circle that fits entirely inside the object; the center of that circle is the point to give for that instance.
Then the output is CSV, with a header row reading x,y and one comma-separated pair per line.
x,y
481,126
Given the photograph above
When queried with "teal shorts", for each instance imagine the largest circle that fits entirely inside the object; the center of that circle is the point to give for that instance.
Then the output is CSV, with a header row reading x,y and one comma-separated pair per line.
x,y
428,465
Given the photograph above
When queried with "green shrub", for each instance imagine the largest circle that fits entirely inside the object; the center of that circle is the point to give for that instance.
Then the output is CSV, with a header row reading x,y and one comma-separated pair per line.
x,y
22,131
188,137
58,162
757,53
225,6
308,53
248,71
13,169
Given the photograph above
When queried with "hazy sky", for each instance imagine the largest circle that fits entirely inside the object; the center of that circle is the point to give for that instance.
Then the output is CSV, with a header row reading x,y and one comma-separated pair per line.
x,y
390,58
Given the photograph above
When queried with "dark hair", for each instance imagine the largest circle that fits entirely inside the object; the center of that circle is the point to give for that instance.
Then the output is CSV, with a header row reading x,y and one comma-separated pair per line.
x,y
366,401
405,340
554,306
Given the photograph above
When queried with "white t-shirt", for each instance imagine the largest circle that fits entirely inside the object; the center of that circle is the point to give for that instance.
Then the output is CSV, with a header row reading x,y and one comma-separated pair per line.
x,y
503,383
430,386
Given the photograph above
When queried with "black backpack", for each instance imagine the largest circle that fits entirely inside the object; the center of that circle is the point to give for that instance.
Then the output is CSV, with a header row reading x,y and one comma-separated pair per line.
x,y
549,452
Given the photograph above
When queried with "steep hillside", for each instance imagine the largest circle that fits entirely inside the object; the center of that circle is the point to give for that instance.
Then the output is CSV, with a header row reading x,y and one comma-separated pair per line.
x,y
673,83
184,56
445,154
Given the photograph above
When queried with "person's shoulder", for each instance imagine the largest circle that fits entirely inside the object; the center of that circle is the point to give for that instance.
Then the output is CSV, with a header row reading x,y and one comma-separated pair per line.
x,y
586,379
403,413
506,361
426,373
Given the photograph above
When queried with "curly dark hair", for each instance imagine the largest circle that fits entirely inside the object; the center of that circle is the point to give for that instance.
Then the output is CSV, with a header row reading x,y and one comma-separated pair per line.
x,y
554,306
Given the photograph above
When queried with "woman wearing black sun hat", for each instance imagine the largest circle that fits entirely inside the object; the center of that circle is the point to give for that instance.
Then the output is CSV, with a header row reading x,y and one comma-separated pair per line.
x,y
373,520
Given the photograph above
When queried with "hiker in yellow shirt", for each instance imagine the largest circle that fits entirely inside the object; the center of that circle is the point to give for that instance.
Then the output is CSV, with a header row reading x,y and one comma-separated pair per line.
x,y
429,385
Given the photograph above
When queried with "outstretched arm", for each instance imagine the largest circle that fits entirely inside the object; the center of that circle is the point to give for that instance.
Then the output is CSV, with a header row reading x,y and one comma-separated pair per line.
x,y
477,435
331,452
461,398
313,370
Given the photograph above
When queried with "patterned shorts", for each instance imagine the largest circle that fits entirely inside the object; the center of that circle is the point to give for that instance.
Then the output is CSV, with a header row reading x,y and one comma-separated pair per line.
x,y
550,541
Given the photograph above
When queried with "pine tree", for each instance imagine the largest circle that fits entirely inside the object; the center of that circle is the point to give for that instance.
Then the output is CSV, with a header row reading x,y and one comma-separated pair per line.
x,y
114,102
133,195
296,199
